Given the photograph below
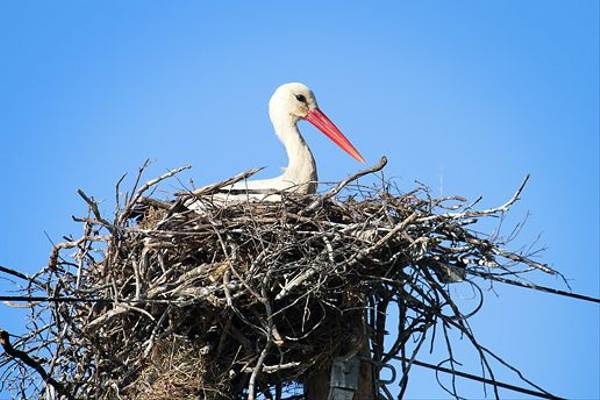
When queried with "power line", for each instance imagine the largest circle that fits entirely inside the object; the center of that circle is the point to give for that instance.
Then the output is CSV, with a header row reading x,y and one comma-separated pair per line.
x,y
71,299
481,274
466,375
53,299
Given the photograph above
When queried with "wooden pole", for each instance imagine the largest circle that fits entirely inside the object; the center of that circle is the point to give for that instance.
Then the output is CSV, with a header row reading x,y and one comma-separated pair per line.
x,y
317,383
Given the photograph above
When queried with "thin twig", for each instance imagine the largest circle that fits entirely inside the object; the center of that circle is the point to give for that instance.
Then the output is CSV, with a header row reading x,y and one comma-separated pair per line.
x,y
30,362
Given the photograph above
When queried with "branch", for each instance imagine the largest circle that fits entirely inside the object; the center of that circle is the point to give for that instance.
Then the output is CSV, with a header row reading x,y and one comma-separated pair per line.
x,y
216,186
136,198
94,207
30,362
19,275
490,211
337,188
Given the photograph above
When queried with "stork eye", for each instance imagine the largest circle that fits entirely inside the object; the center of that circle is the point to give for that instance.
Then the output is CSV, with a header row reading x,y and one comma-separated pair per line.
x,y
301,98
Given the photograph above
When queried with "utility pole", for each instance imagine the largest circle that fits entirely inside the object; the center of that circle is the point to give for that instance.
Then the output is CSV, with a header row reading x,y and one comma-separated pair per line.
x,y
347,377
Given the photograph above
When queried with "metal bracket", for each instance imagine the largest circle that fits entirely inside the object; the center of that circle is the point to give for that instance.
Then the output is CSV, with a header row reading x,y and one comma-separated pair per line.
x,y
344,377
380,366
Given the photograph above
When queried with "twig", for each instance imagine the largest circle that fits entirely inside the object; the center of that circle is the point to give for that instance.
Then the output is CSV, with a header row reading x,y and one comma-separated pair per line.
x,y
481,213
136,197
94,207
18,274
533,286
30,362
216,186
337,188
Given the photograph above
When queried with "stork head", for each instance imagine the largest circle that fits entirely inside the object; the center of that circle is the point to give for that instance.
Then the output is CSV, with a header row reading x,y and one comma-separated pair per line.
x,y
296,101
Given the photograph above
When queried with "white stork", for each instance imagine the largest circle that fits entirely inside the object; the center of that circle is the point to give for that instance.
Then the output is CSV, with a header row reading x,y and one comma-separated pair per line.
x,y
290,103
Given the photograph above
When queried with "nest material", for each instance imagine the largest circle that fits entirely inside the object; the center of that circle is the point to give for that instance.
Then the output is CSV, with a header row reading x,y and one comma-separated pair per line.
x,y
252,297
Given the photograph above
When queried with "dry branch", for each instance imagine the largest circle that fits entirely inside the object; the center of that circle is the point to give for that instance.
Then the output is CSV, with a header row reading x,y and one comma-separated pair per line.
x,y
30,362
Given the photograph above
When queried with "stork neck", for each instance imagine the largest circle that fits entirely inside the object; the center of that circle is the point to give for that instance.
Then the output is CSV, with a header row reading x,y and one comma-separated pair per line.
x,y
301,163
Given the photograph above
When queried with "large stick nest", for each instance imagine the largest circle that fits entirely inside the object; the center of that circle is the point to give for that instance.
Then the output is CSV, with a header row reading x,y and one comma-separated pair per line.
x,y
252,297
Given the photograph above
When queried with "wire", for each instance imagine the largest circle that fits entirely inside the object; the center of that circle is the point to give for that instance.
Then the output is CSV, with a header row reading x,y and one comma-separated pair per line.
x,y
67,299
466,375
482,274
485,275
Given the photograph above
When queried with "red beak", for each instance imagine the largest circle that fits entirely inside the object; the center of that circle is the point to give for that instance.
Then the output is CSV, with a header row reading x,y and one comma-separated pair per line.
x,y
324,124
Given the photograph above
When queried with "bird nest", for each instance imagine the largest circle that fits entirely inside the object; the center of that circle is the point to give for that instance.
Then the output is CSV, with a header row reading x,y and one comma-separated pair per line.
x,y
251,298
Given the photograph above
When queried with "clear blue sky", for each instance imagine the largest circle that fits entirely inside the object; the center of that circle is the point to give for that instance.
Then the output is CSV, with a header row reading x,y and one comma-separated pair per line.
x,y
467,96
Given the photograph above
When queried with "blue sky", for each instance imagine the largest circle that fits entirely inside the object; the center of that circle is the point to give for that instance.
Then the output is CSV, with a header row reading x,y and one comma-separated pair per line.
x,y
466,96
